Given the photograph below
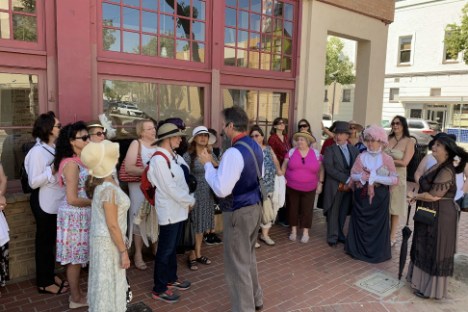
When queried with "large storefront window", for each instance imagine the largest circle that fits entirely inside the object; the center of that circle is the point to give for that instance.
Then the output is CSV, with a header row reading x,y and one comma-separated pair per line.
x,y
164,28
18,20
126,102
19,106
262,107
258,34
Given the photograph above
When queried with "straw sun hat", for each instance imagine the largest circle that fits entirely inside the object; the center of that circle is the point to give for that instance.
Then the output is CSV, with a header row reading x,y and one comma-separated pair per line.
x,y
305,134
168,130
100,158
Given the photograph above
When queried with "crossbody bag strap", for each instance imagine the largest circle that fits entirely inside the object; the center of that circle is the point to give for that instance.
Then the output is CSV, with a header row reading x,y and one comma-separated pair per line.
x,y
50,154
259,175
165,157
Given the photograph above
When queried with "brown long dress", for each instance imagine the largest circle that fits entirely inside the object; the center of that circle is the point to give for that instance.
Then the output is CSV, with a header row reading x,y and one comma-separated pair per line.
x,y
434,246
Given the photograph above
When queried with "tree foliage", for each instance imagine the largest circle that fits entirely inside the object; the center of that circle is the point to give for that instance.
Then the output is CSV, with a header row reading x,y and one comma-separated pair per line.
x,y
338,67
456,38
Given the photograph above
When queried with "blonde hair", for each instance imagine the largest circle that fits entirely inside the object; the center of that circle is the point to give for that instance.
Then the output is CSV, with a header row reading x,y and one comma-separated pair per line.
x,y
139,126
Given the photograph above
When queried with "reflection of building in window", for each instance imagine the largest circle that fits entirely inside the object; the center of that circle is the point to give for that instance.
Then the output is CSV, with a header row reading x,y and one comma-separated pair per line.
x,y
18,20
18,108
128,101
177,30
346,95
262,107
416,113
394,95
259,36
405,46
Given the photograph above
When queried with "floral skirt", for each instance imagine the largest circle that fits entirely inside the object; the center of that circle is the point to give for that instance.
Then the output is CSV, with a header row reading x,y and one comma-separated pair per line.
x,y
73,234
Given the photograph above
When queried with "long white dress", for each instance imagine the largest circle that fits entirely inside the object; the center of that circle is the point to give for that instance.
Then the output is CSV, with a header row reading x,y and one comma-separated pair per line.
x,y
107,284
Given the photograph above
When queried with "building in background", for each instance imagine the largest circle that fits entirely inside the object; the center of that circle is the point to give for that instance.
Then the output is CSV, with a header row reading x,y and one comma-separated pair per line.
x,y
134,59
422,80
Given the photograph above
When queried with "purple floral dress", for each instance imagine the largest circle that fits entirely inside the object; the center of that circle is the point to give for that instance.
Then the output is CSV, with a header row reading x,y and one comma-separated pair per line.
x,y
73,226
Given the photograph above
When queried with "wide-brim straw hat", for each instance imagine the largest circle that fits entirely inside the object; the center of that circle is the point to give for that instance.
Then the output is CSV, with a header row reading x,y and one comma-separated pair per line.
x,y
359,127
305,134
100,158
168,130
202,130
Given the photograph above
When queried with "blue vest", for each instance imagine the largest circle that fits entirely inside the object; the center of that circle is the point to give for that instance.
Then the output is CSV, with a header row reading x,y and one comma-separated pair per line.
x,y
246,192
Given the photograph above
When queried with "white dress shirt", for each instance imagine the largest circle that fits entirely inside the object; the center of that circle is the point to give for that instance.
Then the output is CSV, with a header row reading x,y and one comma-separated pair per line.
x,y
38,164
223,179
172,200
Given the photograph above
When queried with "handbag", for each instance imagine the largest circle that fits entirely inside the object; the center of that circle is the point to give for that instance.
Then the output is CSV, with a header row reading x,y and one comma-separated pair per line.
x,y
268,214
420,151
342,187
190,179
123,174
425,215
187,238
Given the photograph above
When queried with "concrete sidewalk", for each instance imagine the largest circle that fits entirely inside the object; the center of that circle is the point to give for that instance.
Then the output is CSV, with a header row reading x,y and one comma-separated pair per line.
x,y
294,277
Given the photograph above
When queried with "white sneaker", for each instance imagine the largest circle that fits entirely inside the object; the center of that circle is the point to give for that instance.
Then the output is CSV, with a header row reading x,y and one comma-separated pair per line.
x,y
305,239
257,245
267,240
292,237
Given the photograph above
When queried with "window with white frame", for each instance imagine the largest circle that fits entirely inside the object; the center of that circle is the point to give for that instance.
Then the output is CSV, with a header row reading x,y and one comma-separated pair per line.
x,y
405,46
394,94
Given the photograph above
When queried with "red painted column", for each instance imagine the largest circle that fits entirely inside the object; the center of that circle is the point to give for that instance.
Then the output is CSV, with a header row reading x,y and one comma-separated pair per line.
x,y
74,60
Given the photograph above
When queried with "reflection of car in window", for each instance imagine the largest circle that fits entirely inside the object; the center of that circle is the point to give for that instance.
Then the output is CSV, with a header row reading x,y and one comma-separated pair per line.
x,y
327,120
127,109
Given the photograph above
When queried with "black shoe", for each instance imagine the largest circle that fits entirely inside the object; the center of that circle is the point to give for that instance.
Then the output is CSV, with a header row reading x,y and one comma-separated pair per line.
x,y
215,239
419,294
208,239
258,308
332,244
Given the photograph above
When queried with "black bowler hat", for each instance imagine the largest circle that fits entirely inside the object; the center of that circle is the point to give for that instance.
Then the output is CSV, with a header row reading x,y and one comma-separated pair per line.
x,y
341,127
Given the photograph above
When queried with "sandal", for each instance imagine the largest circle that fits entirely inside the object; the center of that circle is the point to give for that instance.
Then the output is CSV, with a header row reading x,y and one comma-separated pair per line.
x,y
58,281
140,264
192,264
203,260
62,289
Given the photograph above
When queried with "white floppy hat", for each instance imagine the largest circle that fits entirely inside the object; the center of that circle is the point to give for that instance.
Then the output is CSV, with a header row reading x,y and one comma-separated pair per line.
x,y
100,158
202,130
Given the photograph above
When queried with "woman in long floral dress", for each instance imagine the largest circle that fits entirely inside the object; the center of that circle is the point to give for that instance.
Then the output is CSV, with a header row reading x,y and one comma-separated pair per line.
x,y
74,213
108,256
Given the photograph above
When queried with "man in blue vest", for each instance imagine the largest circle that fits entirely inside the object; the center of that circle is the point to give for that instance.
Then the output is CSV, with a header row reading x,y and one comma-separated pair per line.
x,y
237,175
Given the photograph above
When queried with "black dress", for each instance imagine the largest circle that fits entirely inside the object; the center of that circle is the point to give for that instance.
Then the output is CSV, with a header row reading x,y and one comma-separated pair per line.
x,y
369,228
433,248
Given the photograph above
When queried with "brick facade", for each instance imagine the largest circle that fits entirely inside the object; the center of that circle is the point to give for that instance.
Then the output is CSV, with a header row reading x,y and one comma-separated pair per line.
x,y
22,232
381,9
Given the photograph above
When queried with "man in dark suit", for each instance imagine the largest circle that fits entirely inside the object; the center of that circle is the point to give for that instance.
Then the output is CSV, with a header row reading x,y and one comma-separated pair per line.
x,y
338,160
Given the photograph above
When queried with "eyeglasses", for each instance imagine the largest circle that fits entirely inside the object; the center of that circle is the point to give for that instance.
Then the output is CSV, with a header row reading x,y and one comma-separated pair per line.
x,y
352,128
254,135
84,138
395,123
58,126
281,122
99,133
149,129
303,126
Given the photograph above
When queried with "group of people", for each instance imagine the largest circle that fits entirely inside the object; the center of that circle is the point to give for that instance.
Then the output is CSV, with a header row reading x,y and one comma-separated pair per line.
x,y
83,214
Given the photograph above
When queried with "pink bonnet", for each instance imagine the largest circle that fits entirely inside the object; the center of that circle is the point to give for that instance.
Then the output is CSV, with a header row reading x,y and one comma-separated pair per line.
x,y
377,133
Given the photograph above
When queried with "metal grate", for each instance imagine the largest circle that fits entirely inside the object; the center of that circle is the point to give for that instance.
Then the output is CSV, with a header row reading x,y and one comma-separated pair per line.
x,y
379,284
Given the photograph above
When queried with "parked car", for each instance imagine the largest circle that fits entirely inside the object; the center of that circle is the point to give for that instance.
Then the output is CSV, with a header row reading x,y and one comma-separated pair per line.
x,y
128,109
421,129
327,120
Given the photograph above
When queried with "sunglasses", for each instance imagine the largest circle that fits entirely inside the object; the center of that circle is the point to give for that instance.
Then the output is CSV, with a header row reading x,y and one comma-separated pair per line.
x,y
396,123
99,133
281,122
84,138
303,126
254,135
303,160
58,126
352,128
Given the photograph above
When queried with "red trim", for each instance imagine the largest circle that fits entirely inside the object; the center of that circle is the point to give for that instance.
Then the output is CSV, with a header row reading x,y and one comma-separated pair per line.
x,y
238,137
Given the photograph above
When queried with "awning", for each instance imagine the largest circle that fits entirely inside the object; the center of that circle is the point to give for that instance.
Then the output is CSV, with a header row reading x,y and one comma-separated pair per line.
x,y
433,99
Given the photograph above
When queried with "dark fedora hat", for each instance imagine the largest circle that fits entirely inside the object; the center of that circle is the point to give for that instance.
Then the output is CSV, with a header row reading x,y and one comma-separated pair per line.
x,y
341,127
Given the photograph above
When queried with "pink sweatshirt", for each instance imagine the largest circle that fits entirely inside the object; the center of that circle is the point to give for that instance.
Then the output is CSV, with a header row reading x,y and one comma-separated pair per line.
x,y
303,174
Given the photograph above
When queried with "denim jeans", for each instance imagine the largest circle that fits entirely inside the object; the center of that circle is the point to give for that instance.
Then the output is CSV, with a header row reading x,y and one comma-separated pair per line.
x,y
165,261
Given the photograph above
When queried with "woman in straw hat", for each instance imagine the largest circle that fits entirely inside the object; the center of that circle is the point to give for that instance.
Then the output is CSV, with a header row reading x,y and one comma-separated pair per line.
x,y
173,202
203,211
303,172
108,255
371,175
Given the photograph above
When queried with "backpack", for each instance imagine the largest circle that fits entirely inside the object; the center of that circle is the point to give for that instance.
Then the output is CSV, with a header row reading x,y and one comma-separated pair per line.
x,y
24,179
146,187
